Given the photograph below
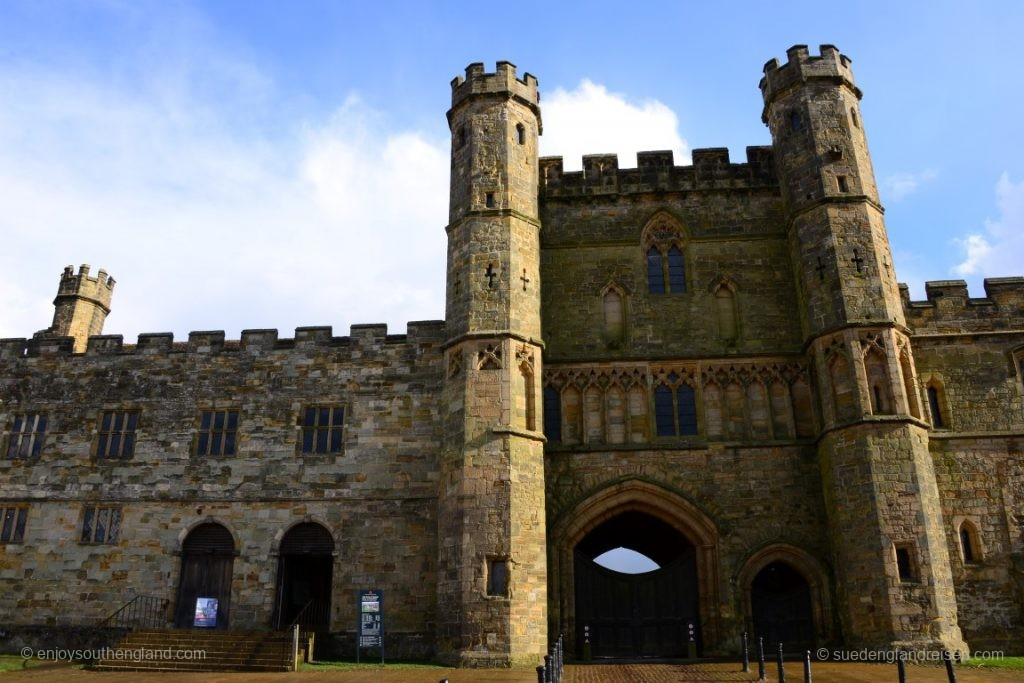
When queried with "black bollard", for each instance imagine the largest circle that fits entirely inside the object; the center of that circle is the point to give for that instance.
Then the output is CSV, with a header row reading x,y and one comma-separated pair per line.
x,y
778,661
760,659
950,671
901,668
558,659
540,674
807,667
746,655
547,670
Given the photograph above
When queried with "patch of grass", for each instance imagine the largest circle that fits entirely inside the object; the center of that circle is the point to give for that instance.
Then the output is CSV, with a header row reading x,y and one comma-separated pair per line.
x,y
350,665
10,663
1013,663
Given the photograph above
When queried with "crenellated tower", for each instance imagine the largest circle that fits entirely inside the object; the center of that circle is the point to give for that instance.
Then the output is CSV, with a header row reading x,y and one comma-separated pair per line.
x,y
492,599
893,576
81,306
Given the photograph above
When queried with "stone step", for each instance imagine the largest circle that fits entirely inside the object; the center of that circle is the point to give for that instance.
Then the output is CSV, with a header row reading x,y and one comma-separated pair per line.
x,y
223,650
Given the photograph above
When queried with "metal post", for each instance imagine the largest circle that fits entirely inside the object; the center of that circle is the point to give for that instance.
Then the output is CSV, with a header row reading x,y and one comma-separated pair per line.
x,y
901,668
547,670
778,661
746,655
540,674
950,671
760,659
561,656
807,667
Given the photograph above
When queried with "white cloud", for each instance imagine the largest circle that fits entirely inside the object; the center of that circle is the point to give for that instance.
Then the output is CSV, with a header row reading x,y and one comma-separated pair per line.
x,y
996,252
899,185
208,226
591,120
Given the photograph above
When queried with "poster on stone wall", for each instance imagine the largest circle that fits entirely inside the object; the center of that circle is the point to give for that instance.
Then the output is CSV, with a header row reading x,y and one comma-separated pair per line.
x,y
206,613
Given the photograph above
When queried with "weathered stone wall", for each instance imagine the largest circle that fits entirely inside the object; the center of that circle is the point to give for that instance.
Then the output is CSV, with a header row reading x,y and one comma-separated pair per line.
x,y
752,498
730,231
981,482
377,497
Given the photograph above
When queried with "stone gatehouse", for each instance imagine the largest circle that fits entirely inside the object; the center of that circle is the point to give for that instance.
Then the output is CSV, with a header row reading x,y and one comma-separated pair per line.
x,y
710,364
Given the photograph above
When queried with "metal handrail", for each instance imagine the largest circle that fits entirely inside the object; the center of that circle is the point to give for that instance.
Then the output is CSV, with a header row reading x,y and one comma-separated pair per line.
x,y
143,610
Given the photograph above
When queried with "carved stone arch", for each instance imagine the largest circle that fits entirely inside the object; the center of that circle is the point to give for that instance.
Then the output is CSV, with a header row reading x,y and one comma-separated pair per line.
x,y
638,495
969,545
613,304
934,386
275,543
663,243
663,229
209,519
808,566
725,295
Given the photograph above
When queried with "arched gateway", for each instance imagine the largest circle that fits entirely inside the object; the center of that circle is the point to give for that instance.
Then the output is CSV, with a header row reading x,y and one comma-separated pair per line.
x,y
640,615
305,577
207,561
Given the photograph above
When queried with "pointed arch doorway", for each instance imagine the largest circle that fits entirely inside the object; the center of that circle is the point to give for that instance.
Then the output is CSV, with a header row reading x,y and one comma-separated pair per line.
x,y
645,614
207,563
649,517
305,575
780,606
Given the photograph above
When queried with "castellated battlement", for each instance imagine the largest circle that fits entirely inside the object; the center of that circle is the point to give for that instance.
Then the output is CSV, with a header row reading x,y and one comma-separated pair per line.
x,y
502,81
801,66
98,289
365,337
656,171
949,306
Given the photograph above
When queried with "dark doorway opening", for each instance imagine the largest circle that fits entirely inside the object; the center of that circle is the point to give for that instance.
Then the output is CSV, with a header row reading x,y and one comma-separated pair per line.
x,y
780,604
305,578
207,560
650,614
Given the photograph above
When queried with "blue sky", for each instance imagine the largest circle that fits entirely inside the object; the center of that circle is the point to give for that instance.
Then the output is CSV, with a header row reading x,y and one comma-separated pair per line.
x,y
267,164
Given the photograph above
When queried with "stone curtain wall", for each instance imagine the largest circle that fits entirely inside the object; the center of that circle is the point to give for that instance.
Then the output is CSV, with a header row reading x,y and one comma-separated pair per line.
x,y
377,497
970,348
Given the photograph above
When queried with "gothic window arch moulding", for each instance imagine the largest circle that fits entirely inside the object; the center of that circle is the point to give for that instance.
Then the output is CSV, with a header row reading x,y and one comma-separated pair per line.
x,y
664,241
613,300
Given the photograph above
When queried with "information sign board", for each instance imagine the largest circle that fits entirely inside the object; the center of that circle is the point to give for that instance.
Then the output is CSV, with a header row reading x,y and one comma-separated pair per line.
x,y
371,621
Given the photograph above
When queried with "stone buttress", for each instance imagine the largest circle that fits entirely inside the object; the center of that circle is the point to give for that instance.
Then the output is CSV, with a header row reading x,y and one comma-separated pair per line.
x,y
492,597
893,580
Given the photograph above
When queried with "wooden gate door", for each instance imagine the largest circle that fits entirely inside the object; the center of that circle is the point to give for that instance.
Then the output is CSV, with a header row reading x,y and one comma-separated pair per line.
x,y
637,615
207,561
780,603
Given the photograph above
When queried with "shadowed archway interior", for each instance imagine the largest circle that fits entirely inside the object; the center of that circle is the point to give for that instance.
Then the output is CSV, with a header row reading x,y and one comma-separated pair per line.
x,y
207,561
636,615
780,602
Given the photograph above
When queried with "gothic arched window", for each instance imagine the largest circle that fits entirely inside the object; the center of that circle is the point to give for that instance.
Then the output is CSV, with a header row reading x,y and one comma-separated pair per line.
x,y
676,271
655,276
552,414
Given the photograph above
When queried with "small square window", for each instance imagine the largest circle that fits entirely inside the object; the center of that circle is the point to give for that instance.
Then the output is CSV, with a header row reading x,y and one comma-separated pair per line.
x,y
116,439
322,429
101,525
843,185
497,578
906,563
25,438
12,523
218,432
489,200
